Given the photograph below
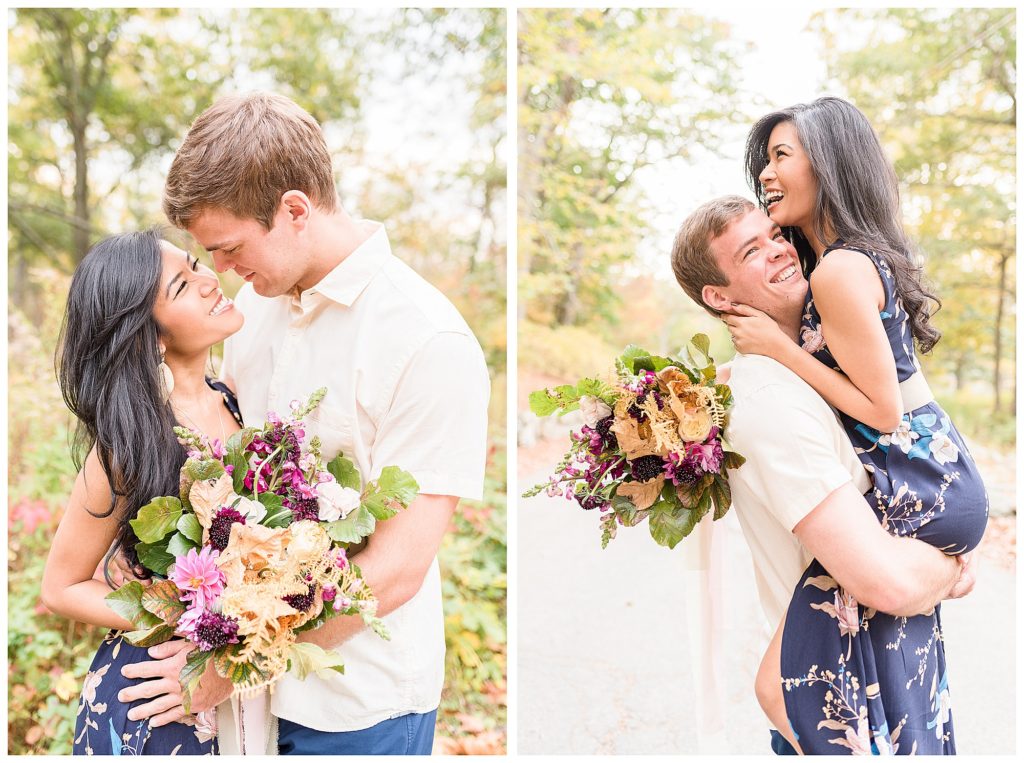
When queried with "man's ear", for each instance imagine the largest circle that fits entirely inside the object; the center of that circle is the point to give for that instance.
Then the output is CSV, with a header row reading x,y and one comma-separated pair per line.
x,y
715,299
297,208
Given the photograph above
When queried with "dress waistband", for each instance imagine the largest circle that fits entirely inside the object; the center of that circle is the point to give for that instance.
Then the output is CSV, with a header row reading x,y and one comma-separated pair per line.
x,y
915,392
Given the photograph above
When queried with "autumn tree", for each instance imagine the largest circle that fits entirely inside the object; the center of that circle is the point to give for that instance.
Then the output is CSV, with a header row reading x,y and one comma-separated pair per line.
x,y
940,88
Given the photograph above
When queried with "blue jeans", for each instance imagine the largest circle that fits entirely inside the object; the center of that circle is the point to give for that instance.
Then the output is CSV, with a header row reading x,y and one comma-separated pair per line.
x,y
411,734
780,746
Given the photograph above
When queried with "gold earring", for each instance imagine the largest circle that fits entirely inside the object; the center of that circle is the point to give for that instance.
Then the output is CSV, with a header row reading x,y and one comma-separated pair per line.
x,y
166,380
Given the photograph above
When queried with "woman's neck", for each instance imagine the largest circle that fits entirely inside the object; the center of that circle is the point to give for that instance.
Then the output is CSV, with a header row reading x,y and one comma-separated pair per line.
x,y
816,243
189,378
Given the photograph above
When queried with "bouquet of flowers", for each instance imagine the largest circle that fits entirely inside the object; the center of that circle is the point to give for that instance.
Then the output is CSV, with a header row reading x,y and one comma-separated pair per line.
x,y
651,446
254,550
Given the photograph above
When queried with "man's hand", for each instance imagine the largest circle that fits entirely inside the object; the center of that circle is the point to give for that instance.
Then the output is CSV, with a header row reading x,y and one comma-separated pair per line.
x,y
968,576
164,688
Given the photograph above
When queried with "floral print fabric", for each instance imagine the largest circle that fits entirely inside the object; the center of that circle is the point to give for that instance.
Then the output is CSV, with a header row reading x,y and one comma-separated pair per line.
x,y
102,726
858,681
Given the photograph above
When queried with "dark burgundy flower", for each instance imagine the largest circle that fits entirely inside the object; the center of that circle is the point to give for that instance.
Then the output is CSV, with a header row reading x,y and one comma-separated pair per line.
x,y
215,630
220,527
302,601
646,467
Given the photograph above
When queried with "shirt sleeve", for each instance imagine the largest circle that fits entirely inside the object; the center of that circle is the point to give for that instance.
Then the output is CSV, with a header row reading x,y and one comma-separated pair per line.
x,y
436,425
791,449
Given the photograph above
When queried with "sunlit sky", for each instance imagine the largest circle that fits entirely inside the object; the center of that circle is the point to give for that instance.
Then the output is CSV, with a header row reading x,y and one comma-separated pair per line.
x,y
783,64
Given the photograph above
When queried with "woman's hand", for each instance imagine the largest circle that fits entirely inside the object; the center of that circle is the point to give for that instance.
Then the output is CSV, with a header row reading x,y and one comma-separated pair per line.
x,y
754,333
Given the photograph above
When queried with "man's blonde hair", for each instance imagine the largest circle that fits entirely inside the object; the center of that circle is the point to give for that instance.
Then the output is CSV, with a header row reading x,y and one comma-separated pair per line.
x,y
242,154
693,262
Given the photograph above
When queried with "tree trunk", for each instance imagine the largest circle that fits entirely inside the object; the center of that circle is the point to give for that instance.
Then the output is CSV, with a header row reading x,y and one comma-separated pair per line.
x,y
998,335
567,311
80,231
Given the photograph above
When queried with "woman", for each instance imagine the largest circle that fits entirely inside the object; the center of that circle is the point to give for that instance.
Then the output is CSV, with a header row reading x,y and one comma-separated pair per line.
x,y
854,678
141,318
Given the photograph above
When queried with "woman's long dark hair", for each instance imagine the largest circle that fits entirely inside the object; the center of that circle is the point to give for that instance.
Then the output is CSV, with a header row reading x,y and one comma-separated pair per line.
x,y
107,368
858,196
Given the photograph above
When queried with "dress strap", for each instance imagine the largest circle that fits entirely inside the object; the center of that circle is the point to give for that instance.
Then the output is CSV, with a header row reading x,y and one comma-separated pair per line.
x,y
230,401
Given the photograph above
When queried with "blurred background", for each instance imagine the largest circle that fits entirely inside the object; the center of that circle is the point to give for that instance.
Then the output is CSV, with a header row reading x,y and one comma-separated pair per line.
x,y
413,104
628,120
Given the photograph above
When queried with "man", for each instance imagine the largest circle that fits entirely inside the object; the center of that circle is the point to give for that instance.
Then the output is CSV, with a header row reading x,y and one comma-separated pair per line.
x,y
327,304
800,494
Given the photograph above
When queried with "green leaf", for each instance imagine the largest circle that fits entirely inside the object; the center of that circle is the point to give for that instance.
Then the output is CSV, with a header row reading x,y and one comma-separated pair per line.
x,y
272,502
281,517
126,601
305,658
703,345
190,674
161,599
563,398
179,545
352,528
154,556
156,519
398,485
733,460
158,634
197,469
345,472
721,496
630,355
669,525
189,526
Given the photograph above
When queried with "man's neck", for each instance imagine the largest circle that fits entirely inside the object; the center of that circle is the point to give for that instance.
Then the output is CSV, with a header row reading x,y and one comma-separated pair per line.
x,y
789,322
332,238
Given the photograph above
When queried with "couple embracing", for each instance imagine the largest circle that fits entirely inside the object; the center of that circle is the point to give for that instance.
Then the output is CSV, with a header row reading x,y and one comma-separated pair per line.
x,y
858,525
325,304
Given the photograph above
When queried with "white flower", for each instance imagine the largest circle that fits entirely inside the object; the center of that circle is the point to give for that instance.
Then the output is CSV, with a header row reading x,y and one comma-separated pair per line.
x,y
253,511
593,409
943,448
336,502
904,436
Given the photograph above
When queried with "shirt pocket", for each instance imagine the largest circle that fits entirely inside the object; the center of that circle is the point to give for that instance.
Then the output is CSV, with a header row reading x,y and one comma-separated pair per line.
x,y
336,430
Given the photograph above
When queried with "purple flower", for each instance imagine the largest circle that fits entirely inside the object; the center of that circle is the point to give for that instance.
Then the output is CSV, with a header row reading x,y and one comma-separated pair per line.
x,y
220,527
708,454
213,630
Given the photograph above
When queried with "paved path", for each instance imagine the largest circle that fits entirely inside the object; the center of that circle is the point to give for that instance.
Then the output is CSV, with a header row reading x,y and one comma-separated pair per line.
x,y
603,646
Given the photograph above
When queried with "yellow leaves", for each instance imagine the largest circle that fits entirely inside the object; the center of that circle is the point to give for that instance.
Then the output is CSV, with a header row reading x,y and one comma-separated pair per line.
x,y
250,548
206,496
642,494
635,438
66,687
689,403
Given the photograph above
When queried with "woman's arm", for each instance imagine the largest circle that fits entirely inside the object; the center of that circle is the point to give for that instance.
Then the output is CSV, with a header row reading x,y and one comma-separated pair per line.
x,y
848,295
80,543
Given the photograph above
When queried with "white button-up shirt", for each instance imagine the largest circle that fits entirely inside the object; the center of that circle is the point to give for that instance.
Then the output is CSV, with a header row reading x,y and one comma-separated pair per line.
x,y
407,386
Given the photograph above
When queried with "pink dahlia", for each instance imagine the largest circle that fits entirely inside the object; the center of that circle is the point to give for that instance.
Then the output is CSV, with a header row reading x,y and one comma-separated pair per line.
x,y
198,575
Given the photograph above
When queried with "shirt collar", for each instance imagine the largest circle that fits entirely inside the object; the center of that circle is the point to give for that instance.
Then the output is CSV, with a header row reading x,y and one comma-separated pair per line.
x,y
351,276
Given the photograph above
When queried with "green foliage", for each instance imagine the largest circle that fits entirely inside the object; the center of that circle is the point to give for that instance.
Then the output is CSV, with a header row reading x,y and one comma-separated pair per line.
x,y
157,518
305,658
603,94
939,86
345,472
474,585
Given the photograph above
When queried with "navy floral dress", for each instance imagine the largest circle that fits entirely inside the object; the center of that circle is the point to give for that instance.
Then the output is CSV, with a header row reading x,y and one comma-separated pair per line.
x,y
102,726
858,681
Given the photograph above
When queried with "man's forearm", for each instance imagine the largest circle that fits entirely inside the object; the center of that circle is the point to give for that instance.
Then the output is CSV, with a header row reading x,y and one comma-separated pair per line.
x,y
919,577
